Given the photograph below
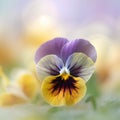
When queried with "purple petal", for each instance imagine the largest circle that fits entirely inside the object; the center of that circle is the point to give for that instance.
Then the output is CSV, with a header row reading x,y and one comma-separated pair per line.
x,y
78,45
51,47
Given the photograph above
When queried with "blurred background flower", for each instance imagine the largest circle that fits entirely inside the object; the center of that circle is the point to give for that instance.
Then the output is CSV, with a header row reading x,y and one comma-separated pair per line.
x,y
25,24
19,91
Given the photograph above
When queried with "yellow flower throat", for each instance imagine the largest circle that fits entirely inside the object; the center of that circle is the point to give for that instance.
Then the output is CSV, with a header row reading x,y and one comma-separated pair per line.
x,y
65,76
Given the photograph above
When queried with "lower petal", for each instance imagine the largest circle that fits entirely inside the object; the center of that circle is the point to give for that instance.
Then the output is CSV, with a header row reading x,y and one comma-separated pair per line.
x,y
76,95
58,92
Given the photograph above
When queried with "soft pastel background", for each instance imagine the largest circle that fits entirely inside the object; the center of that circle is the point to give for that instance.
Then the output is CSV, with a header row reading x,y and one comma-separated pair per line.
x,y
26,24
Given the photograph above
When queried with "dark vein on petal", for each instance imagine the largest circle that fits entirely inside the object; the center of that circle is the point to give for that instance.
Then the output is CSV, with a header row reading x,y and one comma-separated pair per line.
x,y
59,84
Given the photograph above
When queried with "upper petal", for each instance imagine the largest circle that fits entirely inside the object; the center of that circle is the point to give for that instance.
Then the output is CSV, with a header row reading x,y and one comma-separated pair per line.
x,y
49,65
78,45
80,65
51,47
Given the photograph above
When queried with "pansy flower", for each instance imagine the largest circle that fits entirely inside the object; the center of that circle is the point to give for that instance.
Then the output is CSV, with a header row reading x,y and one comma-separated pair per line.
x,y
64,67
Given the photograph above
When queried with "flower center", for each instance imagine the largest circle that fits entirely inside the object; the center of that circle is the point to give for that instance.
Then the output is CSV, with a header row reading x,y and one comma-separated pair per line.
x,y
58,85
64,73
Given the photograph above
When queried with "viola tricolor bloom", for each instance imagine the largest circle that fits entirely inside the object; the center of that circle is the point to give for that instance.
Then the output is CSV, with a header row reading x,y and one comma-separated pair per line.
x,y
64,67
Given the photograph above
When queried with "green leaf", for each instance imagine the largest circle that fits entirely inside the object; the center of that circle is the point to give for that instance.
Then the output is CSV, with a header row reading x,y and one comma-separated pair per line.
x,y
93,87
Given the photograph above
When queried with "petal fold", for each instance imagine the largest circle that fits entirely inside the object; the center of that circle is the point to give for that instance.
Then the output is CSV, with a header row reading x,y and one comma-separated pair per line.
x,y
51,47
78,45
80,65
49,65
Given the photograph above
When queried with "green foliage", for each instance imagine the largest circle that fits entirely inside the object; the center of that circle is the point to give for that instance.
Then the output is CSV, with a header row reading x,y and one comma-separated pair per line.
x,y
93,87
92,91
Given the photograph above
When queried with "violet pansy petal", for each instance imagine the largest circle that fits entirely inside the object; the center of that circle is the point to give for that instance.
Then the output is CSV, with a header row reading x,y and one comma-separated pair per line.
x,y
80,65
78,45
51,47
50,65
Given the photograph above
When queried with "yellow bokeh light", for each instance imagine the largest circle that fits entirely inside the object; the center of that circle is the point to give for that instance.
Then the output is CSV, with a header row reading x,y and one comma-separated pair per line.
x,y
40,30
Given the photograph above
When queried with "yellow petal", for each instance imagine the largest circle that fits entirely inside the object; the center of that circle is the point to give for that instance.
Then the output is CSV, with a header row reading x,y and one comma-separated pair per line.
x,y
5,80
28,84
7,99
57,91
